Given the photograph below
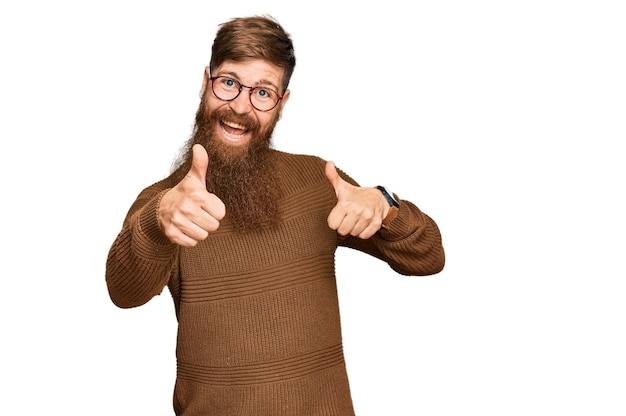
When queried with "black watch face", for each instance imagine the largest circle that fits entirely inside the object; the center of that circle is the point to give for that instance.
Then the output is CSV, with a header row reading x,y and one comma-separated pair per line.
x,y
389,196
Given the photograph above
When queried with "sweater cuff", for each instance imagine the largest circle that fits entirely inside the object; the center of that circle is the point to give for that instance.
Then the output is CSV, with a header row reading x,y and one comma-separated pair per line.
x,y
399,226
149,224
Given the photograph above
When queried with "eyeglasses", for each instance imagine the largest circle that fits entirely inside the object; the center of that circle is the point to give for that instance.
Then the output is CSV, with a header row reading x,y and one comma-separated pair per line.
x,y
261,98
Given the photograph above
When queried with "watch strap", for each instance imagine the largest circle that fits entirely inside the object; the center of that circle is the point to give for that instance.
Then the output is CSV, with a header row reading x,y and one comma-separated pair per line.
x,y
388,196
393,206
391,214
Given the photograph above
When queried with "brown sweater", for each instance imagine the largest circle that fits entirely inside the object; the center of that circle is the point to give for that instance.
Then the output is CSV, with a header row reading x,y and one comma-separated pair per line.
x,y
258,317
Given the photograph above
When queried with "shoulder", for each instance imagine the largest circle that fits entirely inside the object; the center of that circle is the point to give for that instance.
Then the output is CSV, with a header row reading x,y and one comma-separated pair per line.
x,y
299,165
302,165
295,161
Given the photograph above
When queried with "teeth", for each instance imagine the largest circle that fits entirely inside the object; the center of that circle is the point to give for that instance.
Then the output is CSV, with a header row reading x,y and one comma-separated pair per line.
x,y
230,135
233,136
233,125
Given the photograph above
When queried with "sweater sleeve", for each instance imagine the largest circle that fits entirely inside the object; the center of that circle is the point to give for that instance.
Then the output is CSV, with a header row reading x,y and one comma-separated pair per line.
x,y
141,259
411,243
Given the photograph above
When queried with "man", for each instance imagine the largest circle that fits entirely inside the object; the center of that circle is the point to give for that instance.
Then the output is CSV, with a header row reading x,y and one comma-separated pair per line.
x,y
244,237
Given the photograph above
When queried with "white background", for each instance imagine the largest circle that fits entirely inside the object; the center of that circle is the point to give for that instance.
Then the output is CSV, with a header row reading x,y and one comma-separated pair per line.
x,y
503,120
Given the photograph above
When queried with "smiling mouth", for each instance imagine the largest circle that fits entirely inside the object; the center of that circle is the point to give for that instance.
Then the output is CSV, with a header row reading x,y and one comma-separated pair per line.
x,y
233,131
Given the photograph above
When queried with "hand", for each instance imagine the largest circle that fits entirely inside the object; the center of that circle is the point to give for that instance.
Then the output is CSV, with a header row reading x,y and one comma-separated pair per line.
x,y
188,212
359,211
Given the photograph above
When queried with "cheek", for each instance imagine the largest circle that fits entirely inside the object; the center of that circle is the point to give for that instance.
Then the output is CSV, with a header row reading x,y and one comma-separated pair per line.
x,y
264,121
268,120
211,103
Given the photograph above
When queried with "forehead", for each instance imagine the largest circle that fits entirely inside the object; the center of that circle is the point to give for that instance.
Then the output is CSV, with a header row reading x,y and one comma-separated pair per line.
x,y
252,72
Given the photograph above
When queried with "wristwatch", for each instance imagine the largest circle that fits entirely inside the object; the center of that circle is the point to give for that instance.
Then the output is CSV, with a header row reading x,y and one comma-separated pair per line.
x,y
394,205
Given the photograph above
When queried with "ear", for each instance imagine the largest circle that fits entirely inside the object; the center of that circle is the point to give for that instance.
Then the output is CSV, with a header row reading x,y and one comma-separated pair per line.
x,y
205,80
282,103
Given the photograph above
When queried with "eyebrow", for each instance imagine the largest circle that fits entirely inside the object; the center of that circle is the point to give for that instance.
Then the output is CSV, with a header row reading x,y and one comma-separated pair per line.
x,y
261,82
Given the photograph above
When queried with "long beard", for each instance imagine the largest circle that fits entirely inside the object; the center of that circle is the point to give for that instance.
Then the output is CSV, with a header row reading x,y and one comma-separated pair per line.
x,y
243,177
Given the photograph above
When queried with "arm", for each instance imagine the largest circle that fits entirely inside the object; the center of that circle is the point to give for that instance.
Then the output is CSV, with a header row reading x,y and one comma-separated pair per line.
x,y
164,217
141,259
410,241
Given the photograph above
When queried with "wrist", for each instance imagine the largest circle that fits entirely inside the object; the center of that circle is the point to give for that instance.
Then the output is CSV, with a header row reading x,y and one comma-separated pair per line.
x,y
394,205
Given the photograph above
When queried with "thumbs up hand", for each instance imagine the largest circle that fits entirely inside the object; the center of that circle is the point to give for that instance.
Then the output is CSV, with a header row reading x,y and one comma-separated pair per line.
x,y
359,211
188,212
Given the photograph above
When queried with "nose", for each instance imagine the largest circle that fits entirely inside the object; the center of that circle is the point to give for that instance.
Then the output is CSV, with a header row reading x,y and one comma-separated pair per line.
x,y
242,104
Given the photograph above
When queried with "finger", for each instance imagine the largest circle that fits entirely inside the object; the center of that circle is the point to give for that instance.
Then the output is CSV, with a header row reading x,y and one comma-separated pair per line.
x,y
185,232
213,205
199,163
216,208
342,222
335,218
189,240
369,231
333,176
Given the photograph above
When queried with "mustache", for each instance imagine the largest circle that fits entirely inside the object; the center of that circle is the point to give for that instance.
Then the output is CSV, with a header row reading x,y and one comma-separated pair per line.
x,y
228,115
207,121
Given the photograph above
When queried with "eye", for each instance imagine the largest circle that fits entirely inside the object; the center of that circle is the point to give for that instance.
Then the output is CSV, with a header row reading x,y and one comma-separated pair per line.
x,y
264,94
229,83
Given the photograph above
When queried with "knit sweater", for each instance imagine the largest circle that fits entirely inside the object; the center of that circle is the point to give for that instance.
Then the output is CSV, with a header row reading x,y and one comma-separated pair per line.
x,y
258,315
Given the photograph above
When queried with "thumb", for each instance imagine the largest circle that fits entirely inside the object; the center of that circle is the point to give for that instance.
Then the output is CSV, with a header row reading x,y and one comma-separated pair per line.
x,y
199,163
333,176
